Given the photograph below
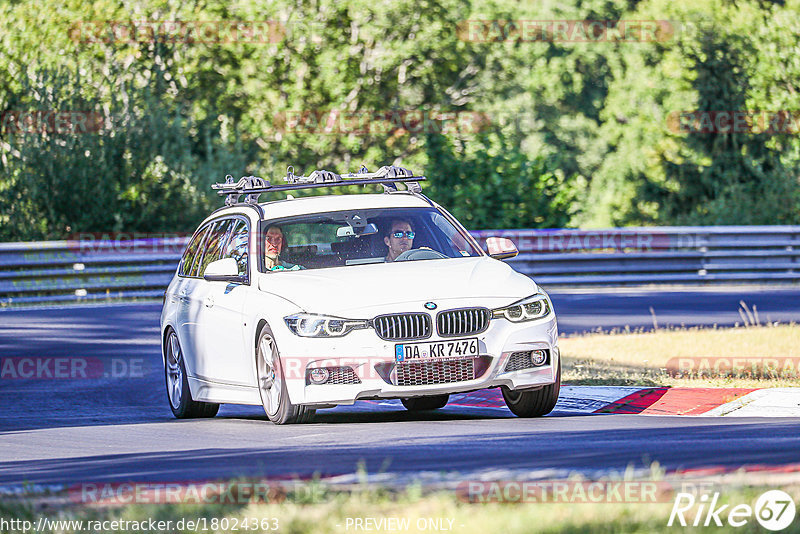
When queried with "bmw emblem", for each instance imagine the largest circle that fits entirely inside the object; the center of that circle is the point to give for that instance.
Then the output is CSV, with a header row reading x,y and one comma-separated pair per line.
x,y
430,305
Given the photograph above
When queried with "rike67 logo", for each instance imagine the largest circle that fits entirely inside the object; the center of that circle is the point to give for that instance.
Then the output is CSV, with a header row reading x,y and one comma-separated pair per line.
x,y
773,510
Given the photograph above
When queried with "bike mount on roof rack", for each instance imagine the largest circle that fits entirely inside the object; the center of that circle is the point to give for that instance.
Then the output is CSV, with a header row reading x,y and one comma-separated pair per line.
x,y
244,186
252,186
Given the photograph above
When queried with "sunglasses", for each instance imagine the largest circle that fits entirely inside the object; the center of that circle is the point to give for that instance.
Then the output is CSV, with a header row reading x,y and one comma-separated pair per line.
x,y
398,235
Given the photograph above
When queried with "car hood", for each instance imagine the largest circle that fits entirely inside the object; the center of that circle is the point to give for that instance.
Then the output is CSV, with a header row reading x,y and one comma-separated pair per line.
x,y
340,290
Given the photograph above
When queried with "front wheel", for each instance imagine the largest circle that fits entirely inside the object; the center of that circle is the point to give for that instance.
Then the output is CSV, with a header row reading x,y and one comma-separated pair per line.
x,y
178,393
419,404
272,384
534,403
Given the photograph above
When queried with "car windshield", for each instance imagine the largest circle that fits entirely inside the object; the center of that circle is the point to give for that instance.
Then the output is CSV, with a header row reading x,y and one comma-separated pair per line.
x,y
359,237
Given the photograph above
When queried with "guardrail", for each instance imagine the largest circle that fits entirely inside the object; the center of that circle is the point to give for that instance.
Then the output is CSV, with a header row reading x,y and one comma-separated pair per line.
x,y
87,269
662,255
97,270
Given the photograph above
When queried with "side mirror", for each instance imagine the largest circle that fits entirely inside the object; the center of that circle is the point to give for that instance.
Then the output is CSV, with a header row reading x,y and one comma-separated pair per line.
x,y
224,270
501,248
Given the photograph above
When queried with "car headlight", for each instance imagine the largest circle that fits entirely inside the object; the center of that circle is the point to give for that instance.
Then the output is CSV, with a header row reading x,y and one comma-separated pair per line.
x,y
311,325
528,309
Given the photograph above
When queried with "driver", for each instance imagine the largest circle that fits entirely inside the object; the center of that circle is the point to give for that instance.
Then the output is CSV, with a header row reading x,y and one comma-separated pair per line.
x,y
274,243
399,238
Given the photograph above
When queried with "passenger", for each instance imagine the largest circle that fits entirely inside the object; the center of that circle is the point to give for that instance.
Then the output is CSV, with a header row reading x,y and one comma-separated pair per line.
x,y
399,238
274,244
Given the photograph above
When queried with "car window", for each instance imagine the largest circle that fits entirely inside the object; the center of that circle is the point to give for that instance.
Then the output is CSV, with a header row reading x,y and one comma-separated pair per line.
x,y
347,238
236,245
455,242
213,245
199,256
191,252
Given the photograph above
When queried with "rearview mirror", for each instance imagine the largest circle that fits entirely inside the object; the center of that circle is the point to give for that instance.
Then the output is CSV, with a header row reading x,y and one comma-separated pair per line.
x,y
350,231
501,248
224,270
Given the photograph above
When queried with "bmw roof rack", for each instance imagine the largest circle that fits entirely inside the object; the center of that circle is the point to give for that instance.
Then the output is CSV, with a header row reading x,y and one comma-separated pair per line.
x,y
253,186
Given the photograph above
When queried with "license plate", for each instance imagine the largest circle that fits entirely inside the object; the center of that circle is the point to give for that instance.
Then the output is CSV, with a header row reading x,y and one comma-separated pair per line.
x,y
436,350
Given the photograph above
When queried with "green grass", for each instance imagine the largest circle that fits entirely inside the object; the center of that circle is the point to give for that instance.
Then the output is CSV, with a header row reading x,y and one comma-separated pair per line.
x,y
642,358
330,510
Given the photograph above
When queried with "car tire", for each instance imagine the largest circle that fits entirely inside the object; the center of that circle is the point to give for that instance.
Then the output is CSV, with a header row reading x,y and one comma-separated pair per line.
x,y
534,403
178,394
420,404
272,384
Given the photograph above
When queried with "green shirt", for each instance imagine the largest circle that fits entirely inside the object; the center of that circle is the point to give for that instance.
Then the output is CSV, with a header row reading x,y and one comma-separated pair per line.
x,y
286,266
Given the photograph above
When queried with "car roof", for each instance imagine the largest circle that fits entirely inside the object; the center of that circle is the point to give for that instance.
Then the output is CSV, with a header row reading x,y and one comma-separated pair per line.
x,y
279,209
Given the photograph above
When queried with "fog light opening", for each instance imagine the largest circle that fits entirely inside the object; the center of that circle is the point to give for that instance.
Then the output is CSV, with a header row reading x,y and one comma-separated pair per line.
x,y
319,375
538,357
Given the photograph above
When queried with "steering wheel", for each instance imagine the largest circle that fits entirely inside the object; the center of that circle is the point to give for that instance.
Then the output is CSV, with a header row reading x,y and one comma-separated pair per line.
x,y
423,253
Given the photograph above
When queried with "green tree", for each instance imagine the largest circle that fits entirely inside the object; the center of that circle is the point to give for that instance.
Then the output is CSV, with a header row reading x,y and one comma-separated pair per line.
x,y
740,177
576,133
136,163
492,184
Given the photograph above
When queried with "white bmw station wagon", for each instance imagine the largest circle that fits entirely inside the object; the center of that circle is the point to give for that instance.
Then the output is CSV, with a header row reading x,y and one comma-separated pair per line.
x,y
301,304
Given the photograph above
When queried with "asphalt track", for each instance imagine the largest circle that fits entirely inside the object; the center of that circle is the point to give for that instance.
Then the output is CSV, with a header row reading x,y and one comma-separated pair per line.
x,y
70,431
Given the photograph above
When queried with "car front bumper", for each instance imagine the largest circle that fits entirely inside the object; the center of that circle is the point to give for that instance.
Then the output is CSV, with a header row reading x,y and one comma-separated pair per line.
x,y
372,361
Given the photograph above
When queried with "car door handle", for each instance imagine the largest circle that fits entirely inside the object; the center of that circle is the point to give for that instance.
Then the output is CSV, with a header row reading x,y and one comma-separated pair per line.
x,y
209,302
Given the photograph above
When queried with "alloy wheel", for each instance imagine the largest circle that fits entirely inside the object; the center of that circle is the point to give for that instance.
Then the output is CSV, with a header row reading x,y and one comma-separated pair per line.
x,y
174,370
269,377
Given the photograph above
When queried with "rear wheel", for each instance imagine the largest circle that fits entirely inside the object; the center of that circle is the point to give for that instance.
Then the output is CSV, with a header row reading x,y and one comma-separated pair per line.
x,y
272,384
534,403
178,393
419,404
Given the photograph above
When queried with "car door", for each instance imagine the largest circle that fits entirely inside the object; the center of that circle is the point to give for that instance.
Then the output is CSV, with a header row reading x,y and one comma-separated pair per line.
x,y
186,293
224,355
